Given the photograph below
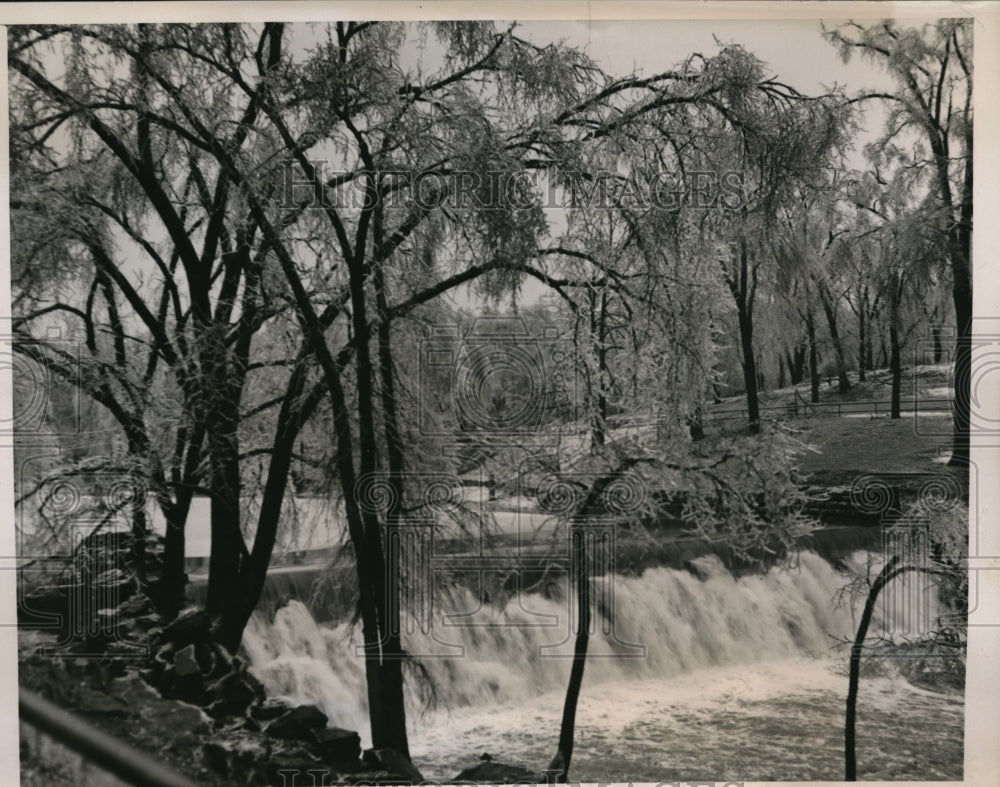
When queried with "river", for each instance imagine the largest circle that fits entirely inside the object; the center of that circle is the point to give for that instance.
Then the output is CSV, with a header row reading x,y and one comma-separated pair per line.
x,y
693,675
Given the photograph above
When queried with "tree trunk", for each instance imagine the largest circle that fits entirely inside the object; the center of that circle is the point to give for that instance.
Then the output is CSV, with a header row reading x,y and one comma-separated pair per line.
x,y
395,453
813,359
744,311
696,427
895,360
749,372
173,578
781,371
253,576
796,362
850,753
227,548
895,367
862,336
383,657
890,571
139,525
383,652
598,336
962,372
829,308
170,590
960,257
869,349
742,283
558,769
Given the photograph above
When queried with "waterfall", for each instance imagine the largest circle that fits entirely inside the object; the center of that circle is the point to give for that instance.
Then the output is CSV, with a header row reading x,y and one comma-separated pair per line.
x,y
662,624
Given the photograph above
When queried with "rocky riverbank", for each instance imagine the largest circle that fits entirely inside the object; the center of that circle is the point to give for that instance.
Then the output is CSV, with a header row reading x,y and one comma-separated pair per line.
x,y
237,737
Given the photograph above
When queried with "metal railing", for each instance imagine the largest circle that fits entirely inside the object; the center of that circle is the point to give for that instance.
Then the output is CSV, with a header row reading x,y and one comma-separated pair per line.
x,y
805,409
104,751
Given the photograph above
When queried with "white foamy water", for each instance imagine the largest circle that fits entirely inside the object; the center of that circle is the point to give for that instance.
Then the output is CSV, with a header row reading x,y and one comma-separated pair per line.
x,y
678,662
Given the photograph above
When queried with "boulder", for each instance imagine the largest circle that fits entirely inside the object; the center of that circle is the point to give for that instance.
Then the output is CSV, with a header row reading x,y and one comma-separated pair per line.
x,y
216,757
138,605
164,656
179,719
268,710
232,696
395,763
204,654
298,723
223,660
189,688
192,625
252,725
239,761
297,766
185,662
334,744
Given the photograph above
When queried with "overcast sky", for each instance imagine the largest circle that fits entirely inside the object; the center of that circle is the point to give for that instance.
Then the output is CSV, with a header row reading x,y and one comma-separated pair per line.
x,y
794,50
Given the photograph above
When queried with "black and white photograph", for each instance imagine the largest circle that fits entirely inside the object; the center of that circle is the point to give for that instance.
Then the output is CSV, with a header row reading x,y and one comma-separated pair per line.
x,y
429,394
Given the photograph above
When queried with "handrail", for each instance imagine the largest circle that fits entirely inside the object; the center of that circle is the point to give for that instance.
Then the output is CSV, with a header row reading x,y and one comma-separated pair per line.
x,y
854,407
98,747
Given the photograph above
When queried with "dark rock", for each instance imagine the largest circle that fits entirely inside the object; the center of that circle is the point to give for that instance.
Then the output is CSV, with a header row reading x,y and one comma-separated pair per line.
x,y
223,661
337,745
135,686
216,757
190,688
241,761
117,582
138,605
499,773
297,723
297,766
185,662
233,695
268,710
108,620
395,763
176,717
127,643
120,650
114,668
192,625
204,654
164,656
